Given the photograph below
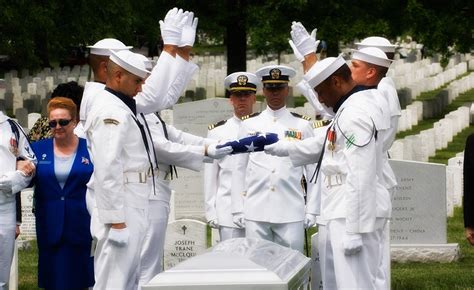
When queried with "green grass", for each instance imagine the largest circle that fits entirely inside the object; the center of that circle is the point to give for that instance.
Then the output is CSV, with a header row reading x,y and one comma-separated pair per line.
x,y
456,275
28,268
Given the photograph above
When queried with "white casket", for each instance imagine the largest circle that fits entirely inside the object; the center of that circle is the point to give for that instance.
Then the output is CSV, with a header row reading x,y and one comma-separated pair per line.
x,y
241,263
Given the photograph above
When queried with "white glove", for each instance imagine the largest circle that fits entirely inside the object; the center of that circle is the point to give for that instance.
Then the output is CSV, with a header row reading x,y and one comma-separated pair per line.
x,y
309,220
239,220
218,153
119,237
279,149
297,54
172,26
188,36
213,224
352,243
302,40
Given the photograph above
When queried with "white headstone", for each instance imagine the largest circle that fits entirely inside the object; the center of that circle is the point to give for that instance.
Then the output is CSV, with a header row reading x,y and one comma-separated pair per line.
x,y
32,118
28,225
194,118
184,239
419,203
455,165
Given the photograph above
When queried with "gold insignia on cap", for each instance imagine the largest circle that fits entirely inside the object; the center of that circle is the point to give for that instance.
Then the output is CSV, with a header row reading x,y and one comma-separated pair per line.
x,y
242,80
275,73
111,121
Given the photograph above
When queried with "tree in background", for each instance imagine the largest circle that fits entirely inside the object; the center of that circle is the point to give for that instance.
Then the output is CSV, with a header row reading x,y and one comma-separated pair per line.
x,y
37,33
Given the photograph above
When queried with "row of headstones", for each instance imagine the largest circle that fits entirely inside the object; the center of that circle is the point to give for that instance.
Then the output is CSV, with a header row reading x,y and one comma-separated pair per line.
x,y
419,110
421,146
406,72
30,92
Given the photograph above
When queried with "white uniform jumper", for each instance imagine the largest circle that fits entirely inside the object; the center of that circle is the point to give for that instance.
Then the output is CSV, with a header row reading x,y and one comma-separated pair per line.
x,y
273,204
160,91
353,196
12,147
218,182
121,165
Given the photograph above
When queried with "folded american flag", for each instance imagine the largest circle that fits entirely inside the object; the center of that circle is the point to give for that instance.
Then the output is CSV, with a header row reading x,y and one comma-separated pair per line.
x,y
253,143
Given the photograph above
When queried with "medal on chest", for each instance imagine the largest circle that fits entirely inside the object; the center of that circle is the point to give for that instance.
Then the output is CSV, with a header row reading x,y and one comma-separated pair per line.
x,y
331,139
14,146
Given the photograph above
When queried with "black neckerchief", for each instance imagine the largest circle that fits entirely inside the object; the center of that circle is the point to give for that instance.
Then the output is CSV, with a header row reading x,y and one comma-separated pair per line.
x,y
99,82
354,90
130,102
165,132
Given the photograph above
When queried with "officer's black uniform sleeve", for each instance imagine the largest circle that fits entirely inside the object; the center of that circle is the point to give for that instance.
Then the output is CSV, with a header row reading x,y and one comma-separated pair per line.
x,y
468,172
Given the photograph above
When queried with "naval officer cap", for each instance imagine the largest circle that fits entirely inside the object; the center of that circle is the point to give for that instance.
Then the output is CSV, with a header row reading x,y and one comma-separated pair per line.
x,y
242,81
377,41
131,62
372,55
106,45
275,76
323,69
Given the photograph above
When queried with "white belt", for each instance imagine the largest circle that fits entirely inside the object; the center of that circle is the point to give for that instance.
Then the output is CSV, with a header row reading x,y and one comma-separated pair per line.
x,y
334,180
135,177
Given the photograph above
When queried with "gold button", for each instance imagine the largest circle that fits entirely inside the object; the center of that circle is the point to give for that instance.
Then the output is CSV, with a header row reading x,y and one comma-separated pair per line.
x,y
273,171
272,188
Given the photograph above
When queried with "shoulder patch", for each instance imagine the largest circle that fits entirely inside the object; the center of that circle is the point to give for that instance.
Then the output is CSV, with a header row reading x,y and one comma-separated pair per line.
x,y
321,123
212,126
301,116
111,121
250,116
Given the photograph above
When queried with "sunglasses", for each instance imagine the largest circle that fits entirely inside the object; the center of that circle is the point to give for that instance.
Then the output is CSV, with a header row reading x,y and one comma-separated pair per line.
x,y
61,122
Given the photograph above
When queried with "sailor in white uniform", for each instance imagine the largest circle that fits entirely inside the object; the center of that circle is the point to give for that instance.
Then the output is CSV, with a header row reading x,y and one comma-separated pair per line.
x,y
121,155
354,203
14,146
241,88
274,200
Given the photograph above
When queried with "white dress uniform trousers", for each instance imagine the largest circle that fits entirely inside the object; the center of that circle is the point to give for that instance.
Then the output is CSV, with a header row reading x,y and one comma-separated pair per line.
x,y
353,197
274,196
121,190
218,182
180,149
11,182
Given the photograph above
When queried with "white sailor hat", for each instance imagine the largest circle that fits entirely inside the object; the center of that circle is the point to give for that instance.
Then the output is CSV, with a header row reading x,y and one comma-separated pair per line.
x,y
242,81
131,62
377,41
372,55
148,62
275,75
106,45
322,69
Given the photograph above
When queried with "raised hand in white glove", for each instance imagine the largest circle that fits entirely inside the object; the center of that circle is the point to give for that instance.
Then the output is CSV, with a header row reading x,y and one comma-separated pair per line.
x,y
119,237
309,220
302,40
172,26
213,224
352,243
238,219
218,153
188,36
279,149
